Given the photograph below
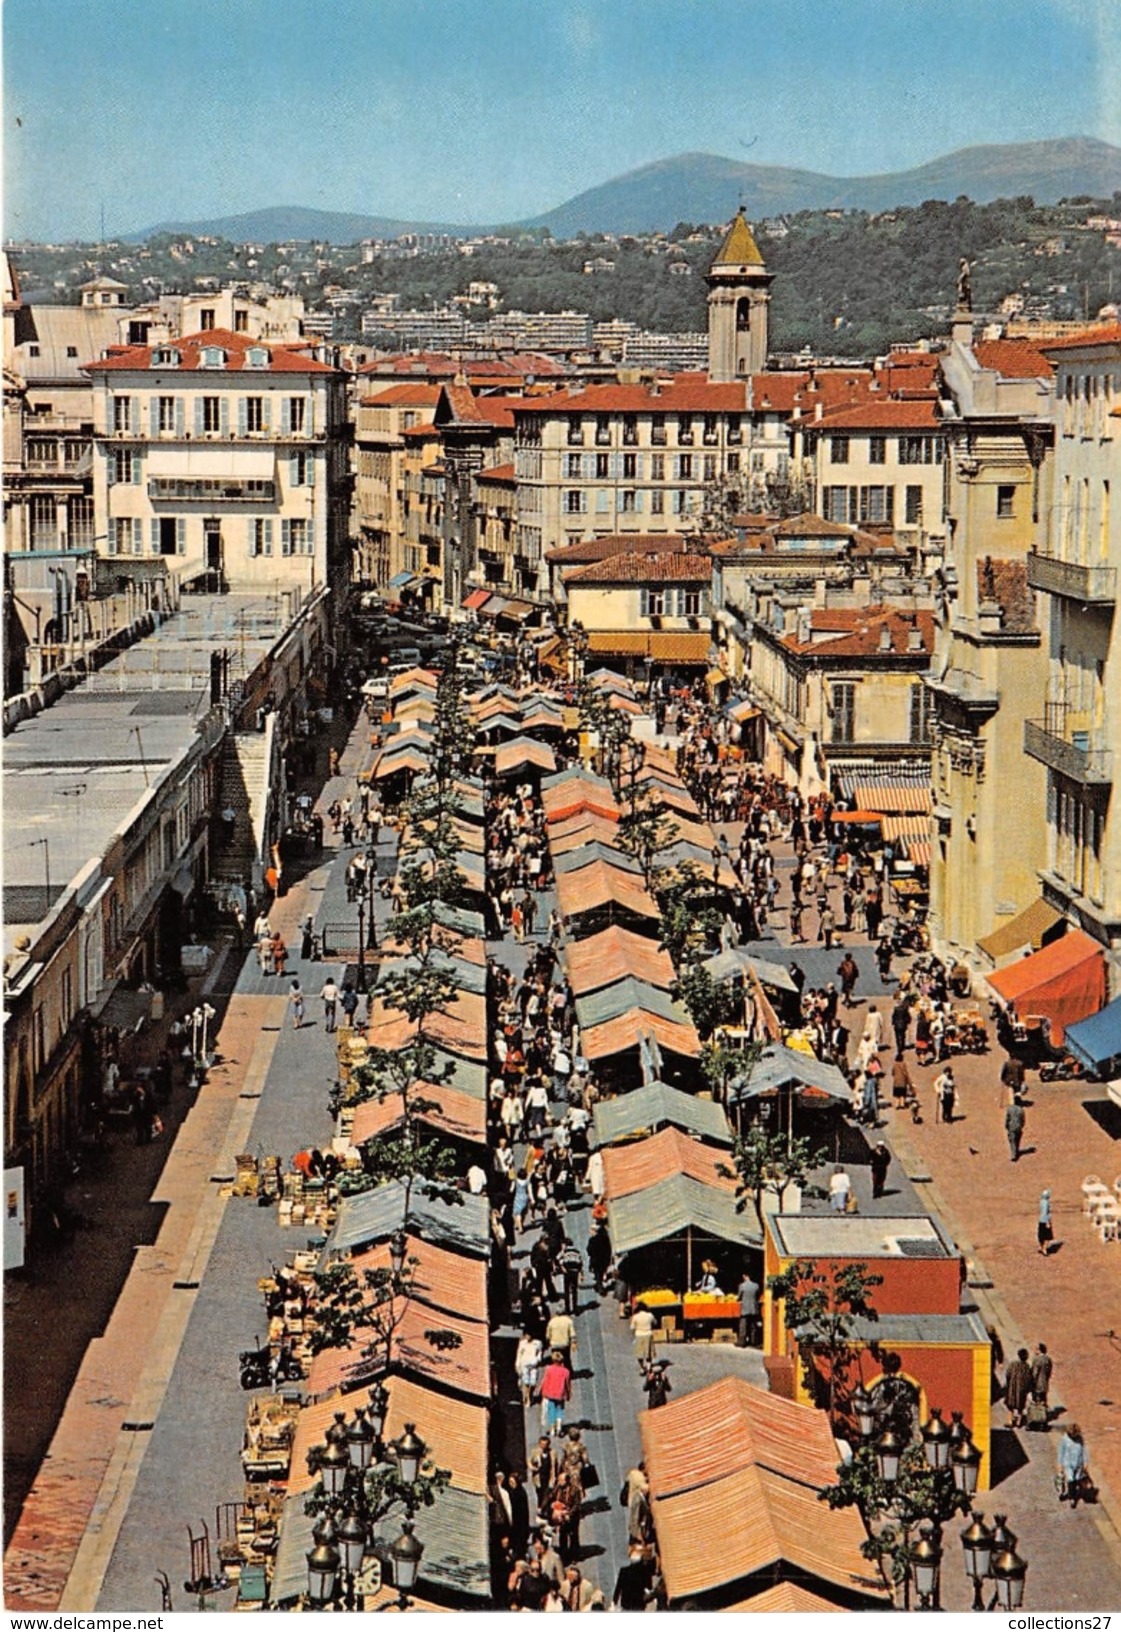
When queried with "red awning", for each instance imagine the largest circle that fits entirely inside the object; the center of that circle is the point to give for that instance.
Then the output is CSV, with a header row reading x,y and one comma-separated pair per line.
x,y
863,818
476,599
1064,981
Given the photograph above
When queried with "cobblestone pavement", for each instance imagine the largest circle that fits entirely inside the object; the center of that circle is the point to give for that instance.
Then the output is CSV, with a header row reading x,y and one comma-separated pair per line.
x,y
1071,1300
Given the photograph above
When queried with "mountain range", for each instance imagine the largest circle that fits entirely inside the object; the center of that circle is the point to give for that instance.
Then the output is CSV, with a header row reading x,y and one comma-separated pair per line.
x,y
703,187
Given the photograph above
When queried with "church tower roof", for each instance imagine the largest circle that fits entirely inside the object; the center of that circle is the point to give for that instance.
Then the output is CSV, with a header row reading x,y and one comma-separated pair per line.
x,y
739,247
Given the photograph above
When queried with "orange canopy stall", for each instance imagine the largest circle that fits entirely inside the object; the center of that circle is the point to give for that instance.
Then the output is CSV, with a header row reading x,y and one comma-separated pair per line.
x,y
1064,981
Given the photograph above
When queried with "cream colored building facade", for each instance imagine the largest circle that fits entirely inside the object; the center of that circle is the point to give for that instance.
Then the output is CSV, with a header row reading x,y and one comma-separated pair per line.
x,y
225,456
381,451
1073,731
988,839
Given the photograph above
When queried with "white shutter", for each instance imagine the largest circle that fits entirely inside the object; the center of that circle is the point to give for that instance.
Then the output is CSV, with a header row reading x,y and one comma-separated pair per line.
x,y
181,535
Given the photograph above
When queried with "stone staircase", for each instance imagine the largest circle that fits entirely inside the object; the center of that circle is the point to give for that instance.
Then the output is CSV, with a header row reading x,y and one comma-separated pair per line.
x,y
246,764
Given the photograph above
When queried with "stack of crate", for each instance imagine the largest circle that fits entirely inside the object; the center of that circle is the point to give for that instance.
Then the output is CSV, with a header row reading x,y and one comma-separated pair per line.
x,y
246,1176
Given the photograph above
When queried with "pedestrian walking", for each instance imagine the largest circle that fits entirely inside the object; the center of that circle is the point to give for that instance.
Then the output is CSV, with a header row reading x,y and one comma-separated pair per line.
x,y
330,996
279,953
1074,1472
796,920
945,1096
849,974
1015,1120
900,1025
1045,1228
296,999
880,1162
571,1266
527,1363
556,1391
642,1328
307,933
1041,1368
748,1294
827,927
840,1187
657,1384
1017,1388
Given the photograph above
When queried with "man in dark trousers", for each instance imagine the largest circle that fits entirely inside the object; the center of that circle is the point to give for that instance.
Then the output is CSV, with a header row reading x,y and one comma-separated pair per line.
x,y
748,1295
879,1161
632,1584
849,974
1015,1119
900,1025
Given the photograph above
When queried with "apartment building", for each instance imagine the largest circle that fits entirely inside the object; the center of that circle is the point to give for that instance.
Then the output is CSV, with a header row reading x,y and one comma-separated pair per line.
x,y
841,690
988,673
644,611
880,463
1073,729
381,421
226,456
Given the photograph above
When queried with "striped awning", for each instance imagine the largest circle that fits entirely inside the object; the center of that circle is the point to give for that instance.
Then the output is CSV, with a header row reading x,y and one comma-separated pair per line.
x,y
902,798
476,599
895,828
863,773
918,851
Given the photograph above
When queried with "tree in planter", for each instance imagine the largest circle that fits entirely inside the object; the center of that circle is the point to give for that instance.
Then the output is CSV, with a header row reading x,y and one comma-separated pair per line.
x,y
688,922
644,830
722,1065
770,1161
711,1003
822,1311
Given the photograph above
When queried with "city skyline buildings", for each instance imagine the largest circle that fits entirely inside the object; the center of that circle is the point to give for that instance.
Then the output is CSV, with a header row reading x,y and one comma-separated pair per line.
x,y
494,110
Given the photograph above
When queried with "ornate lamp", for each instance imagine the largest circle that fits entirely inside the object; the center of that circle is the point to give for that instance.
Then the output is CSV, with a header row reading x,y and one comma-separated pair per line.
x,y
322,1573
965,1460
334,1465
936,1441
889,1450
926,1565
1008,1571
410,1451
864,1412
406,1553
398,1247
977,1546
360,1438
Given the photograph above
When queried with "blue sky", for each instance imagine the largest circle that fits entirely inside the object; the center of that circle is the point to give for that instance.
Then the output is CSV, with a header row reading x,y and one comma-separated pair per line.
x,y
491,110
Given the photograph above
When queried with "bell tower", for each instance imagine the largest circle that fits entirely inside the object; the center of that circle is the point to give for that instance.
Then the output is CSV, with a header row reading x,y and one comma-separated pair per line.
x,y
738,298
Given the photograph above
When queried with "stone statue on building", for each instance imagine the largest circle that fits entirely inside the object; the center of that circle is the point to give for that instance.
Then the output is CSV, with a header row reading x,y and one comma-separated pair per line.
x,y
965,286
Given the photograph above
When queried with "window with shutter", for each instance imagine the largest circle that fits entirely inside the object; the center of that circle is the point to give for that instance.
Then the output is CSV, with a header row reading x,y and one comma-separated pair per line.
x,y
285,536
137,536
224,416
242,415
181,535
154,426
155,535
136,470
200,415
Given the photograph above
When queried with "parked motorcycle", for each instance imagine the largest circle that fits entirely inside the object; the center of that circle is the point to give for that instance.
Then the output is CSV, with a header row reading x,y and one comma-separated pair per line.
x,y
262,1367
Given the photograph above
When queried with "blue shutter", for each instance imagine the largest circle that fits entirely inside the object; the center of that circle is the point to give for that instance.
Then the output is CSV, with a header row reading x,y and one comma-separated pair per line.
x,y
242,415
268,535
224,415
644,603
134,416
266,413
309,416
285,536
179,416
285,416
181,535
638,501
155,530
137,536
199,419
136,470
294,470
153,416
110,468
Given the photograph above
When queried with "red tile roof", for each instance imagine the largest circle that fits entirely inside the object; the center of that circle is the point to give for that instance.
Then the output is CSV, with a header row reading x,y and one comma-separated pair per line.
x,y
497,473
1006,582
407,392
599,549
856,632
1014,359
654,567
686,393
882,413
282,359
1107,335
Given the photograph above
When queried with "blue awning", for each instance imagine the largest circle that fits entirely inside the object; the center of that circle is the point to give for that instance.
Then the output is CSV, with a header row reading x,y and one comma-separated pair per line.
x,y
402,580
1097,1040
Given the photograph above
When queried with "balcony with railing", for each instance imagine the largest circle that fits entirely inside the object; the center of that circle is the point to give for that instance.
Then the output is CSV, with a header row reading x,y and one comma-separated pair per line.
x,y
1062,742
212,490
1092,585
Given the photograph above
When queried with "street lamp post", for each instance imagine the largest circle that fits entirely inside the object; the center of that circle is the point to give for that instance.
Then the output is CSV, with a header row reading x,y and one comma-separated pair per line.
x,y
977,1546
406,1553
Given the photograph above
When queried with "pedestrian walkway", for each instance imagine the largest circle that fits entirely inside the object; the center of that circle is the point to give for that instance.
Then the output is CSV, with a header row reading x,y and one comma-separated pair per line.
x,y
150,1437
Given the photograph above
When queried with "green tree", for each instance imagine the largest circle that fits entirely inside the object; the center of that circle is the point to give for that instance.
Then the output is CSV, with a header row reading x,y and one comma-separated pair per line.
x,y
690,920
711,1003
770,1161
823,1313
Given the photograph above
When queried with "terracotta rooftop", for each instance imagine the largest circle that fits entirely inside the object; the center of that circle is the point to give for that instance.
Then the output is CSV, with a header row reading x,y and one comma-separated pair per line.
x,y
1107,335
663,567
876,413
419,394
282,359
1014,359
598,549
497,473
1006,582
857,632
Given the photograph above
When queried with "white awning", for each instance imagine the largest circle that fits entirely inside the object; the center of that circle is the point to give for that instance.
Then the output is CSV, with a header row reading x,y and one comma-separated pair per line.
x,y
239,464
